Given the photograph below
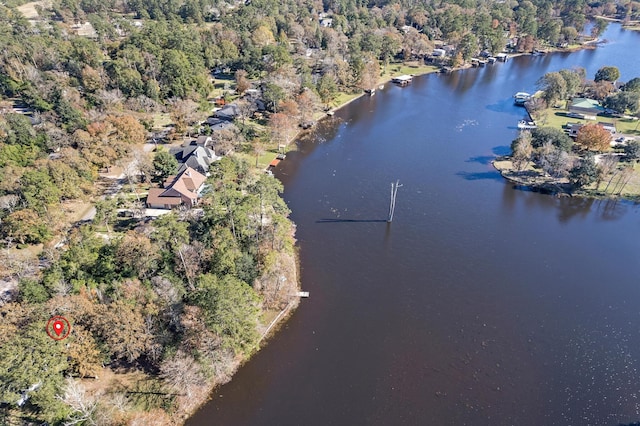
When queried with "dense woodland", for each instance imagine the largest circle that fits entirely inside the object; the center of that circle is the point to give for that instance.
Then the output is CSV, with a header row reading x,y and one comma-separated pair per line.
x,y
192,288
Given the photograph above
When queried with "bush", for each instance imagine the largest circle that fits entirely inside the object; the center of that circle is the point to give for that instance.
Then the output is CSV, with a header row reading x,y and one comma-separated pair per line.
x,y
555,137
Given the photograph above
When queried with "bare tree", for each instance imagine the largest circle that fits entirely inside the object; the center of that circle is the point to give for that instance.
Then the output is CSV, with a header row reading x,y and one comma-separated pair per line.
x,y
246,108
554,161
625,176
184,114
183,373
9,202
606,166
522,151
242,83
82,406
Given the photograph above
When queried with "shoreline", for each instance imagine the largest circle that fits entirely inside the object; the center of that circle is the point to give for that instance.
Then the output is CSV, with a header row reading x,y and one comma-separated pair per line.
x,y
283,316
534,181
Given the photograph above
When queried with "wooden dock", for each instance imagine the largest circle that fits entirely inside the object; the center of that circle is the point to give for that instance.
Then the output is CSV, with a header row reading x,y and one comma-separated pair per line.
x,y
303,294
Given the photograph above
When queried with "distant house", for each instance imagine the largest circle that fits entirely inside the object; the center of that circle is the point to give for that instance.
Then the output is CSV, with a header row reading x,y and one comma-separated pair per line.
x,y
326,22
218,124
85,30
228,112
585,106
183,189
438,52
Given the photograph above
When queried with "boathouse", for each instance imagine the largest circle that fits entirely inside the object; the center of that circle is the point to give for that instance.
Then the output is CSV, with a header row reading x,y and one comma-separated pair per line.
x,y
402,80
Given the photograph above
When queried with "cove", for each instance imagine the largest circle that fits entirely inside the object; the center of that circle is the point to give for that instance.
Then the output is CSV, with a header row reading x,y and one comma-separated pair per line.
x,y
481,304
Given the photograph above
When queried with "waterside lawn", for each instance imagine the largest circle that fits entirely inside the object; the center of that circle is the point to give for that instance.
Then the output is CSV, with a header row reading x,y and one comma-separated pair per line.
x,y
557,117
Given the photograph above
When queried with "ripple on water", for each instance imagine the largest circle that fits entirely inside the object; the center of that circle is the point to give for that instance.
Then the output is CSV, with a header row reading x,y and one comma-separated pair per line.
x,y
604,364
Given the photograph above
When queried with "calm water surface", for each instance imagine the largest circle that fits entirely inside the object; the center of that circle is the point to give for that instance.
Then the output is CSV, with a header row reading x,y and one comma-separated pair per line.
x,y
481,304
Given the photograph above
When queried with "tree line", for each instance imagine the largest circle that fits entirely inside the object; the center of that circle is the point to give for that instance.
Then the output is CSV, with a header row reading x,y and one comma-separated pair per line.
x,y
179,299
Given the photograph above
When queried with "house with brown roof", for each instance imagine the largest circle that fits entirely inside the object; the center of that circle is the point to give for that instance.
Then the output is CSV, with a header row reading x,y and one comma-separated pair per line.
x,y
183,189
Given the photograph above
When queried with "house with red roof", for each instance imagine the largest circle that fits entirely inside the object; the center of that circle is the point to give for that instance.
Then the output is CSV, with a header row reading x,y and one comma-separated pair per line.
x,y
183,189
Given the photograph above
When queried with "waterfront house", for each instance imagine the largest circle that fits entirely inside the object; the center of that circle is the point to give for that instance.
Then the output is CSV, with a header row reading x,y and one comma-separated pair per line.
x,y
573,128
183,189
585,106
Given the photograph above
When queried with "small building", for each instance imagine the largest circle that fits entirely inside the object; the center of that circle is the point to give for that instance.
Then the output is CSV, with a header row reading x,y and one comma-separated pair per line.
x,y
610,127
502,57
183,189
402,80
438,52
585,106
326,22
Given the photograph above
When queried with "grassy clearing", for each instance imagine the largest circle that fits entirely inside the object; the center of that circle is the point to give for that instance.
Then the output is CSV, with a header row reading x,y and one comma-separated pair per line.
x,y
222,83
415,68
29,9
557,117
161,120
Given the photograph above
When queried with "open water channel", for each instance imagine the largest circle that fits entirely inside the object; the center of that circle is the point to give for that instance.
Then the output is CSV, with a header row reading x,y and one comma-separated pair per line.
x,y
481,304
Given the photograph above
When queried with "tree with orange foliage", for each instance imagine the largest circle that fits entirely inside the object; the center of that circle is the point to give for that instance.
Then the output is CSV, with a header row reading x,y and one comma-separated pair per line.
x,y
593,136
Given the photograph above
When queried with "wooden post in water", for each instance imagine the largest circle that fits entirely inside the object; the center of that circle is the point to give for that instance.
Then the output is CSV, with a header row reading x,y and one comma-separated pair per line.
x,y
392,204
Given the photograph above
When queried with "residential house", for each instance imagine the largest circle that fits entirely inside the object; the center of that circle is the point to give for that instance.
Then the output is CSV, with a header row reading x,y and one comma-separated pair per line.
x,y
326,22
183,189
438,52
204,141
198,155
227,112
585,106
218,124
573,128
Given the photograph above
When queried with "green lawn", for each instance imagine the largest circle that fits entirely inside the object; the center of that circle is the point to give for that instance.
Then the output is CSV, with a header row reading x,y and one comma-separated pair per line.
x,y
556,117
416,68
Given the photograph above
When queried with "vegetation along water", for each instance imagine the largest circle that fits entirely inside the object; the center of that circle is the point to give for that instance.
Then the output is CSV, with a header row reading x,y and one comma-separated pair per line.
x,y
481,303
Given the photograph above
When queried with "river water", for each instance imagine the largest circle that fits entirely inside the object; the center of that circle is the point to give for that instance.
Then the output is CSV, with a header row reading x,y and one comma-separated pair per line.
x,y
481,304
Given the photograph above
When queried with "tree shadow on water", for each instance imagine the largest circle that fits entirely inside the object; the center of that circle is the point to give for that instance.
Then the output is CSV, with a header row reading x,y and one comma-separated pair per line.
x,y
351,221
501,150
490,175
482,159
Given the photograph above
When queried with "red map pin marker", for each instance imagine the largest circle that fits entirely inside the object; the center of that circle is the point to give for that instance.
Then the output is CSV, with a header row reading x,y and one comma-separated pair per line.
x,y
58,327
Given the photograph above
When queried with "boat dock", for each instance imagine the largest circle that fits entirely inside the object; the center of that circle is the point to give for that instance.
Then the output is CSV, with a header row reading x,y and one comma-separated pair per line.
x,y
520,98
402,80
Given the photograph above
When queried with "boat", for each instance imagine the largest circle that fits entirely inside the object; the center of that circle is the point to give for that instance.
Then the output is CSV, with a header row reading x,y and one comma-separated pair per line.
x,y
520,98
526,125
